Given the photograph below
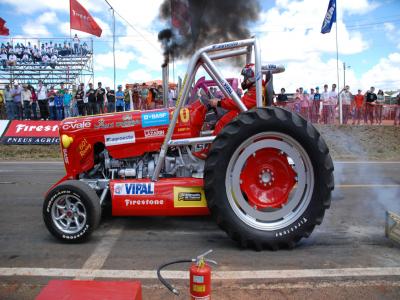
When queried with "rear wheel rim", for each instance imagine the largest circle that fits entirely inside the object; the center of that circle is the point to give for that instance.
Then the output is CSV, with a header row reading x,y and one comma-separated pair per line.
x,y
69,214
279,214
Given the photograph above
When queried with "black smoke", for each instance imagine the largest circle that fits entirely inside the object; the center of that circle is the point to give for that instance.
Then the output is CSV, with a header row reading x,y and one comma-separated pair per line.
x,y
210,22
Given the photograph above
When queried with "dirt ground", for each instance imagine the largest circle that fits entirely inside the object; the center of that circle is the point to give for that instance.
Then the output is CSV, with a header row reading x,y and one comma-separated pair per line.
x,y
345,143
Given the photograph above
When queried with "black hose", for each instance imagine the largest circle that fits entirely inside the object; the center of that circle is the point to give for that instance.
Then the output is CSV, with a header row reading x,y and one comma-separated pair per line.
x,y
163,281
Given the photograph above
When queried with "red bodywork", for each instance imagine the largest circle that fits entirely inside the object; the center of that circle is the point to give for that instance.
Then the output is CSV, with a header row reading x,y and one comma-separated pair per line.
x,y
128,134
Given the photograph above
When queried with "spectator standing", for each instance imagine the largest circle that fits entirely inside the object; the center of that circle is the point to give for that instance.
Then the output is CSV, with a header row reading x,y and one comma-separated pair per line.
x,y
67,103
333,101
26,97
172,96
52,109
370,98
127,98
144,92
358,104
345,97
136,96
34,101
316,106
110,100
9,103
3,114
91,95
80,94
16,94
100,96
43,102
397,111
120,103
380,100
58,103
325,105
305,104
76,44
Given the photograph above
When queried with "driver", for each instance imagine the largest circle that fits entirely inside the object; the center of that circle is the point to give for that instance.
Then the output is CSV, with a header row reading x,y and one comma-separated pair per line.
x,y
248,99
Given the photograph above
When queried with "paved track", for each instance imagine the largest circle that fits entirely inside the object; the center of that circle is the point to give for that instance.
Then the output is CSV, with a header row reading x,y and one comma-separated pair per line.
x,y
346,257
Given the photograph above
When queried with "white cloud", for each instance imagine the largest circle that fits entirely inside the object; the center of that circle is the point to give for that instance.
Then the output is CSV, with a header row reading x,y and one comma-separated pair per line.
x,y
384,75
140,76
392,33
49,17
33,28
105,60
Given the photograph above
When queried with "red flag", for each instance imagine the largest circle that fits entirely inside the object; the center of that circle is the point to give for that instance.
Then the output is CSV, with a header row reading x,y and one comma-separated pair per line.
x,y
3,29
80,19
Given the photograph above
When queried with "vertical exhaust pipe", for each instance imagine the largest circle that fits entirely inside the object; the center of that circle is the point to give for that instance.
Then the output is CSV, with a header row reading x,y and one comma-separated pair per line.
x,y
165,80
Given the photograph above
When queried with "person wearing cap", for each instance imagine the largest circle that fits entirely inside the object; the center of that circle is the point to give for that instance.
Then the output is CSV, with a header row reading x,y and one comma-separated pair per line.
x,y
358,104
100,96
91,95
16,94
119,96
26,98
79,100
110,100
316,106
304,104
67,103
51,93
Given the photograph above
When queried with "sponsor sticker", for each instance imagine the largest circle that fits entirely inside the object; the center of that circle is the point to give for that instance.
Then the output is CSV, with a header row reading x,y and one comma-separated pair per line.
x,y
155,118
66,159
101,124
84,148
148,133
73,125
189,197
120,138
146,202
3,126
136,188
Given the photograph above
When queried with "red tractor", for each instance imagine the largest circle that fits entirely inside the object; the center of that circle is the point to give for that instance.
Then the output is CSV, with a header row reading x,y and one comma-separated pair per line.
x,y
267,178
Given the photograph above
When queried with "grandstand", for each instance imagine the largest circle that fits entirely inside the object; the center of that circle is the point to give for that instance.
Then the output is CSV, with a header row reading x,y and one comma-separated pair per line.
x,y
71,68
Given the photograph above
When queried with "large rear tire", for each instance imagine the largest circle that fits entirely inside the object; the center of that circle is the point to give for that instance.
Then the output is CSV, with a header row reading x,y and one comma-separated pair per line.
x,y
268,178
71,211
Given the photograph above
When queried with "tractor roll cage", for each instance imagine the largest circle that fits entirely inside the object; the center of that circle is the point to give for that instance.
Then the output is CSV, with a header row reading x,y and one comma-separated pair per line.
x,y
204,57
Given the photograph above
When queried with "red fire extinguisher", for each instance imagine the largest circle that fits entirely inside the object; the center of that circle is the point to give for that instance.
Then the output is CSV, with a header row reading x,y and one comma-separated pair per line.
x,y
200,280
200,277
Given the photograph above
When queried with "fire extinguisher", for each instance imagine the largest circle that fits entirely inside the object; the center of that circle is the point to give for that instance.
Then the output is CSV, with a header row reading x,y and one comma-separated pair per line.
x,y
200,276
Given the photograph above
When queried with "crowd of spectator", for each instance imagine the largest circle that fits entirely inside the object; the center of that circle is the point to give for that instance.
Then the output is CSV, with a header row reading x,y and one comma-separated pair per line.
x,y
49,103
45,53
323,107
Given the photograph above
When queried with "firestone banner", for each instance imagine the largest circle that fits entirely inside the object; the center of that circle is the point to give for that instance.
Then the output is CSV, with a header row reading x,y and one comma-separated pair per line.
x,y
32,133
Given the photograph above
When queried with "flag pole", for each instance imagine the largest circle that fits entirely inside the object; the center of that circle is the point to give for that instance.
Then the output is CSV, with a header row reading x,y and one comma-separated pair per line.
x,y
337,70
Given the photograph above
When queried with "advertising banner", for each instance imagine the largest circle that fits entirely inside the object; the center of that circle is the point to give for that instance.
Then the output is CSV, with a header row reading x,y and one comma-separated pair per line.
x,y
32,133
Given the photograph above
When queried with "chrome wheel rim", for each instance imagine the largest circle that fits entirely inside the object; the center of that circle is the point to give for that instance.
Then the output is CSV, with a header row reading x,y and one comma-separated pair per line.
x,y
299,198
68,214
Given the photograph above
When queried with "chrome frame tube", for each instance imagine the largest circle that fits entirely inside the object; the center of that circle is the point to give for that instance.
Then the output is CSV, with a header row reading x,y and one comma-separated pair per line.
x,y
257,54
192,141
212,75
191,72
226,54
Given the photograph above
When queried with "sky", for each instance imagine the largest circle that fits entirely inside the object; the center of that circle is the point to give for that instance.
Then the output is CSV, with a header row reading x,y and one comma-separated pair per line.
x,y
288,30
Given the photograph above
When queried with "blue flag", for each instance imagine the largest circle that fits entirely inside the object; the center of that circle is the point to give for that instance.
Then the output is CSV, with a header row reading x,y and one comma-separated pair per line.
x,y
330,17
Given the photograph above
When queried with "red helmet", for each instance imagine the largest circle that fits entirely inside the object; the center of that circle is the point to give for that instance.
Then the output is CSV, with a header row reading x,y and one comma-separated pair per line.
x,y
249,76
